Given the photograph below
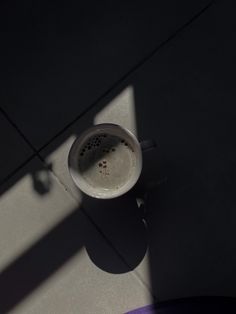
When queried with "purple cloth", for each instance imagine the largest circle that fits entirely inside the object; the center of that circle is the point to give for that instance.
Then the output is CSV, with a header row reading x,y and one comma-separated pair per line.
x,y
149,309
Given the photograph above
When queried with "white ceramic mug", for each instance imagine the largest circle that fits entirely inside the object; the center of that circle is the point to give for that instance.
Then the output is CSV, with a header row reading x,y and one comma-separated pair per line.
x,y
95,136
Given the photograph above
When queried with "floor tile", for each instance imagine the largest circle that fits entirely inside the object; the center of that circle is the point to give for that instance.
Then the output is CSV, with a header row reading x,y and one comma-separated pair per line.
x,y
51,253
58,58
184,98
14,150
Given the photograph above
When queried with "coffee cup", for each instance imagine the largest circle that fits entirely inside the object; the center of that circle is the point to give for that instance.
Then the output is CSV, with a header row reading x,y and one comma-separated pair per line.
x,y
105,161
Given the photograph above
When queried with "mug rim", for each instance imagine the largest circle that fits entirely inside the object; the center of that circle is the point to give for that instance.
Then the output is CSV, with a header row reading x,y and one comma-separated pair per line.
x,y
78,179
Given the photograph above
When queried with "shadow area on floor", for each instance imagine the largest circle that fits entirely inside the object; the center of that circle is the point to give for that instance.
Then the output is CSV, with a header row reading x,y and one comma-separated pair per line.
x,y
191,212
189,183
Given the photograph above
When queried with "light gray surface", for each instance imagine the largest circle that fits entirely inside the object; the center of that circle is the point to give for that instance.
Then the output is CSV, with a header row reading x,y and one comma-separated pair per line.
x,y
14,150
44,264
59,58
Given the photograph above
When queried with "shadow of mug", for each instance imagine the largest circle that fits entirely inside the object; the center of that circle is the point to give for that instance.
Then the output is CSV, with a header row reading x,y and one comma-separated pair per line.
x,y
121,223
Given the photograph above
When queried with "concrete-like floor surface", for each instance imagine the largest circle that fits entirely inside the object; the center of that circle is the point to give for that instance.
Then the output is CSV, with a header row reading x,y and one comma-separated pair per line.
x,y
163,69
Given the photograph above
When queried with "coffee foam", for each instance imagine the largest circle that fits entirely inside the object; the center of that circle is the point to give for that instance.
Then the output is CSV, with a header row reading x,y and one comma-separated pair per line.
x,y
106,161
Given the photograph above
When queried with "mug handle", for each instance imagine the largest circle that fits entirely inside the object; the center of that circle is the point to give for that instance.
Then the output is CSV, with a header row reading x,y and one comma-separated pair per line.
x,y
147,145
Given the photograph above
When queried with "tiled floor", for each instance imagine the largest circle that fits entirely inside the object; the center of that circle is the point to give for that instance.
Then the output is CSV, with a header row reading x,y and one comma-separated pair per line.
x,y
46,244
62,252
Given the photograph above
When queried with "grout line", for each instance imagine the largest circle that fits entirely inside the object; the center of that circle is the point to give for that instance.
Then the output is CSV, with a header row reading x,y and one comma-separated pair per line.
x,y
129,73
35,152
13,124
17,169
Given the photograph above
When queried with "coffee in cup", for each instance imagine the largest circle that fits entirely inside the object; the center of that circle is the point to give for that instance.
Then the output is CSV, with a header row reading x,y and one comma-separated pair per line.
x,y
105,161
